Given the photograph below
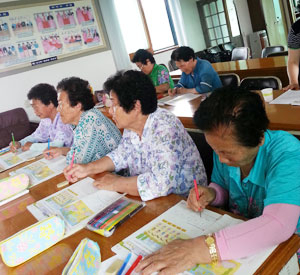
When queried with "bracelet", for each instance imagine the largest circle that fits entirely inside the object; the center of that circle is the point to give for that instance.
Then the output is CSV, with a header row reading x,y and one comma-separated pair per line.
x,y
210,241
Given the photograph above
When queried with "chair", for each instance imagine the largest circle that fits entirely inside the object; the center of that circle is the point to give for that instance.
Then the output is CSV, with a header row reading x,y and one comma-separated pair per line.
x,y
240,53
283,53
230,80
272,49
172,65
261,82
227,46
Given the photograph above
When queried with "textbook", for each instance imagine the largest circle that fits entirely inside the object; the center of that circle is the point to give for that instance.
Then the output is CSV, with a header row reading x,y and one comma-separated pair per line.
x,y
107,220
10,160
42,170
76,204
179,222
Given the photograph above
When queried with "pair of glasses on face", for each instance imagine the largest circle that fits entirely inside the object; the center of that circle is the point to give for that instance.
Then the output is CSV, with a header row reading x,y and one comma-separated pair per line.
x,y
141,67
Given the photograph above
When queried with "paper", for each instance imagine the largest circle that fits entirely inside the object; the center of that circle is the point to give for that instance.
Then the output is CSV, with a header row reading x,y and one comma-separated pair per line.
x,y
10,160
42,170
76,204
181,222
289,97
174,100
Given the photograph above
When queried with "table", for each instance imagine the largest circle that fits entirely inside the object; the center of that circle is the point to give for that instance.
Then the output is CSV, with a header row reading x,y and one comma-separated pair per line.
x,y
53,260
276,66
281,116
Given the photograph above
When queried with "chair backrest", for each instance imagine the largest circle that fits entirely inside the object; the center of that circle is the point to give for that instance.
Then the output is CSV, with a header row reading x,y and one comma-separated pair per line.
x,y
283,53
261,82
172,66
271,49
240,53
230,80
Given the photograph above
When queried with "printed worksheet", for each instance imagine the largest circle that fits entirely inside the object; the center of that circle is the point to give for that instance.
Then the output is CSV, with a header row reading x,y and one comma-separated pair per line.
x,y
179,222
42,170
76,204
10,160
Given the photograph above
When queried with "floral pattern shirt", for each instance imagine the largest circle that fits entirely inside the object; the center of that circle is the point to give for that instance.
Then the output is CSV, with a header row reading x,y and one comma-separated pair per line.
x,y
164,159
94,137
160,75
60,134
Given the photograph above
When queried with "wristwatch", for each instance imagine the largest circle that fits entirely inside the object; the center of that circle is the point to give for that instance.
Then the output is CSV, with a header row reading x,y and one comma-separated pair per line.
x,y
210,241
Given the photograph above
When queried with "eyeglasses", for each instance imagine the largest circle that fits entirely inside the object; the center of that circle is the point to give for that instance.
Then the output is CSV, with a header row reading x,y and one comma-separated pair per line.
x,y
140,67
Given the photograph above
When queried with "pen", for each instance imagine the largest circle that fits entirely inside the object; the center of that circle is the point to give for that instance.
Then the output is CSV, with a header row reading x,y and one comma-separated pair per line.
x,y
72,162
3,151
48,145
124,264
13,139
196,190
136,262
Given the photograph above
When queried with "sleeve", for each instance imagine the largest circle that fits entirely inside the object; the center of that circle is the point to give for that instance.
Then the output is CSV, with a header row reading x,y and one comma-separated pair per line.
x,y
221,195
119,156
163,75
206,80
182,82
165,170
64,135
276,224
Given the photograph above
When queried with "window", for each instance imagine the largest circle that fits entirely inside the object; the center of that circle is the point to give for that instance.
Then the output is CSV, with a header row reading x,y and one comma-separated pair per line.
x,y
216,23
146,24
234,23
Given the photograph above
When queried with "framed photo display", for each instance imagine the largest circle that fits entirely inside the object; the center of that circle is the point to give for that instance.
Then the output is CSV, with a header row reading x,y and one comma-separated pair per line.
x,y
33,35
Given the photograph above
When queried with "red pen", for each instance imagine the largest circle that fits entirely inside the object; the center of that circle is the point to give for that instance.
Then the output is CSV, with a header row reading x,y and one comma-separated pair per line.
x,y
138,259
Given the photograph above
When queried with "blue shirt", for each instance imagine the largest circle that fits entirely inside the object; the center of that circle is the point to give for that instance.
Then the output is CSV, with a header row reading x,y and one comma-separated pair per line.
x,y
204,78
274,177
94,136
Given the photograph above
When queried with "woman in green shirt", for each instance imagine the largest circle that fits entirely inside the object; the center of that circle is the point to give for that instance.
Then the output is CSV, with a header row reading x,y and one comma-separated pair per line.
x,y
159,74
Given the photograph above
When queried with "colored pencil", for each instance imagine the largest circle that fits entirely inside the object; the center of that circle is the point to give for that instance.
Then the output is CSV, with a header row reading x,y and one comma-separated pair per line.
x,y
136,262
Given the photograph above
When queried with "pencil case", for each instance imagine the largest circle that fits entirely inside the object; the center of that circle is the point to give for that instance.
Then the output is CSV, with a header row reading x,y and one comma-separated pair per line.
x,y
86,259
31,241
13,185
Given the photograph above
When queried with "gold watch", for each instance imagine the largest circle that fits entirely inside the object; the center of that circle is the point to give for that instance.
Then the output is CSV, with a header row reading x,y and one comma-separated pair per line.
x,y
210,241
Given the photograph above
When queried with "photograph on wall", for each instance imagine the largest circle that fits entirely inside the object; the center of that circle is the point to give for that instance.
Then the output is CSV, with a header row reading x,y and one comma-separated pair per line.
x,y
85,15
29,50
90,36
45,21
21,26
52,44
72,40
58,29
8,54
65,18
4,31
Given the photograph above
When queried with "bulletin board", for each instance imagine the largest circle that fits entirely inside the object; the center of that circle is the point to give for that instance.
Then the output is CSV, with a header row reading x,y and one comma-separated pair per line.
x,y
31,35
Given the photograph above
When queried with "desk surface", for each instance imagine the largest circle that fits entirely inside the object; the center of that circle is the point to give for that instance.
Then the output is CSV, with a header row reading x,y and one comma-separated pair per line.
x,y
281,116
53,260
276,66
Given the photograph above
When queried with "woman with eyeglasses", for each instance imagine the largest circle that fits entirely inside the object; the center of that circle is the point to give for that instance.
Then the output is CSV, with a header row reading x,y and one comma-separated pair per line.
x,y
159,154
94,134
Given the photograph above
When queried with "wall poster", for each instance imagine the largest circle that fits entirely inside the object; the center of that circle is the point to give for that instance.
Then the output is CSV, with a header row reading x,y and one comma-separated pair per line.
x,y
33,35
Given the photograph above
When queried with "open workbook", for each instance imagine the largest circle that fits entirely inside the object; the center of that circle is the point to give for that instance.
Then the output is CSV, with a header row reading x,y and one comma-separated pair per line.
x,y
76,204
179,222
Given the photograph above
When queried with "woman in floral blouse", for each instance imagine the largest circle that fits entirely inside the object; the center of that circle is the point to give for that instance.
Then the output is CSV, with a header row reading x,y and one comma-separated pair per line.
x,y
158,152
94,134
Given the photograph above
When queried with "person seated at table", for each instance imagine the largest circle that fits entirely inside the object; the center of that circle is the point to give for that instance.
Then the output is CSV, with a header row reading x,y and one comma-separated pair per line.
x,y
198,76
156,149
293,57
43,99
255,175
94,134
159,74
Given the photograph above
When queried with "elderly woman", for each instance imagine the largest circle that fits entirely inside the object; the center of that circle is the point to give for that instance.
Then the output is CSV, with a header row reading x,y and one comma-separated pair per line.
x,y
94,134
156,149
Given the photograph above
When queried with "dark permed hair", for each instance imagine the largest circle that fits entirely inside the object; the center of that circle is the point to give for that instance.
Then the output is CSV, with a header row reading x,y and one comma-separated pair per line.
x,y
44,92
142,55
183,53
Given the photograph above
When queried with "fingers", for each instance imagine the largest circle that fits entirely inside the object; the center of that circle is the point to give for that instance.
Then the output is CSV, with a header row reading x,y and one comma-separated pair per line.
x,y
192,202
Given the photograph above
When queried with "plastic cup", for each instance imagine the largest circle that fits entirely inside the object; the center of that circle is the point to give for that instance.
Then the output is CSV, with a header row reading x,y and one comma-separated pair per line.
x,y
267,94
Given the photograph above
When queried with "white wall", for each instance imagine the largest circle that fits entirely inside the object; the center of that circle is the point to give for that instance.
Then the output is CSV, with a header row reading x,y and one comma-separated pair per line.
x,y
244,19
192,25
94,68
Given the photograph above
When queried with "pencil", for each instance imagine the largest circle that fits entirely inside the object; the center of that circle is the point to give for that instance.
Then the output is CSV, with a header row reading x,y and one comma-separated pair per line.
x,y
196,190
13,139
48,145
136,262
